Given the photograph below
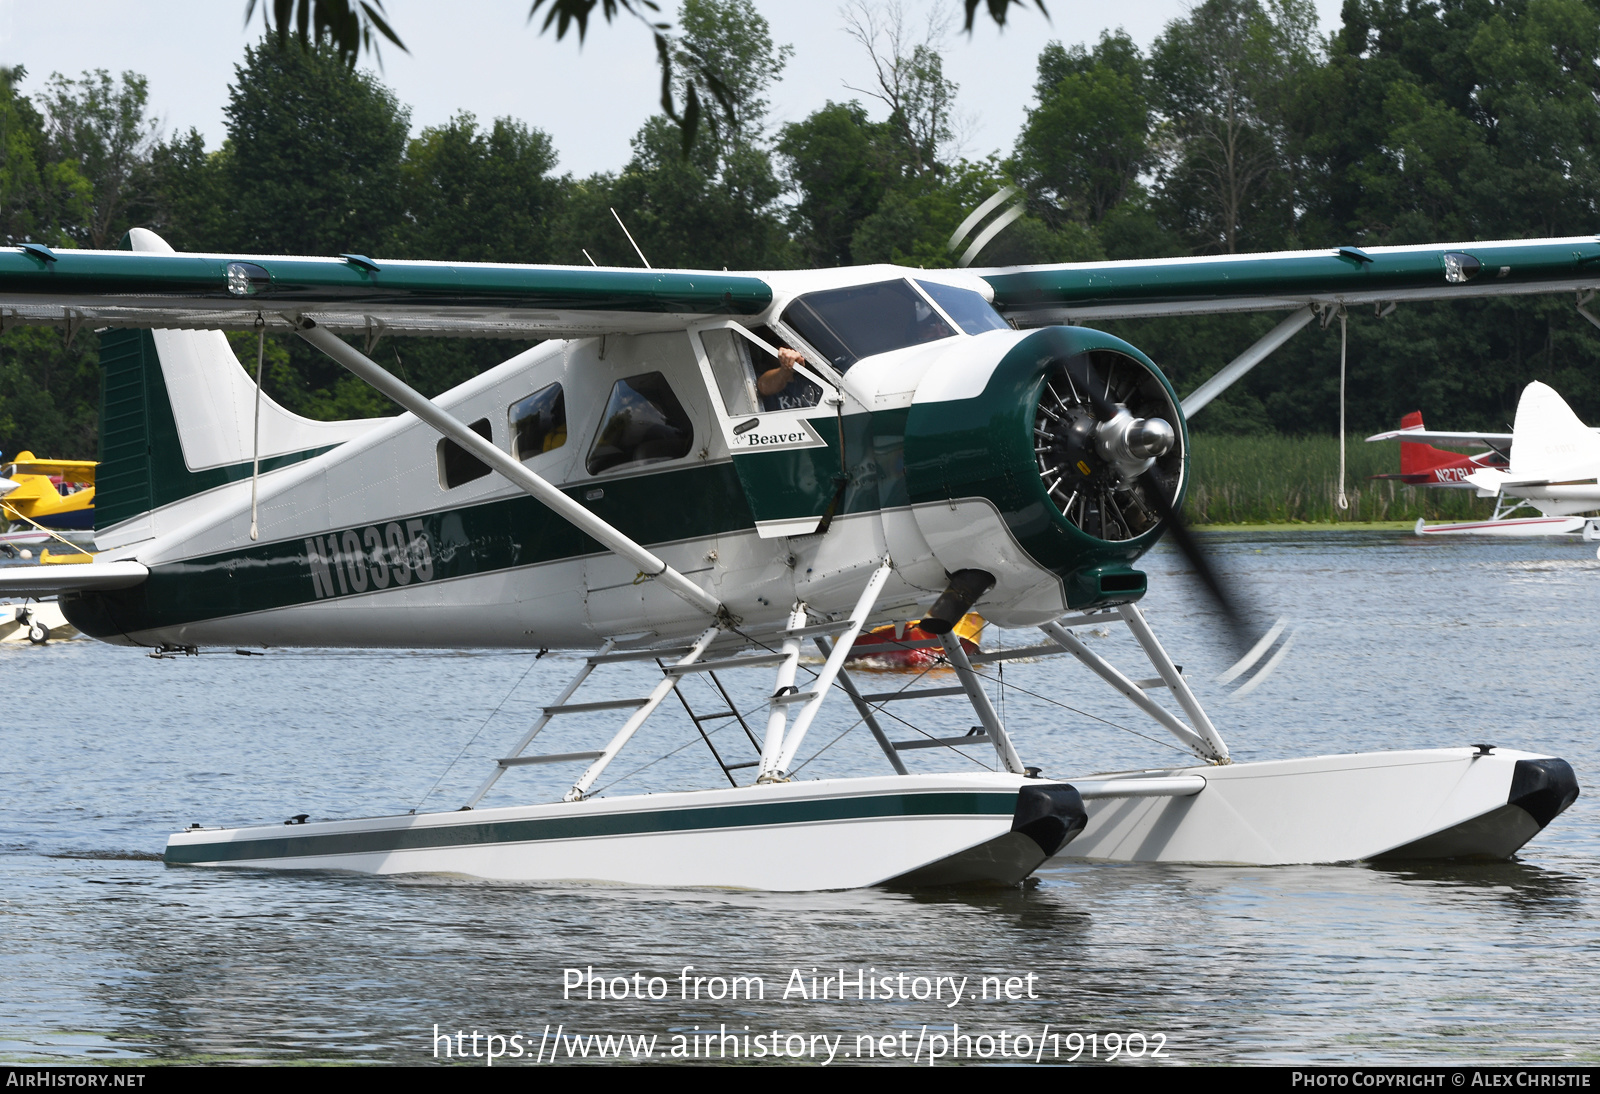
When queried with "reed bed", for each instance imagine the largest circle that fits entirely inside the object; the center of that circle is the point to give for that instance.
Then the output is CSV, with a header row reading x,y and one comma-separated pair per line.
x,y
1274,479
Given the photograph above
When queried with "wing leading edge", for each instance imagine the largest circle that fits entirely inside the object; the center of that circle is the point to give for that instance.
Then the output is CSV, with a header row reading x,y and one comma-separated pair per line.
x,y
151,289
1043,295
353,293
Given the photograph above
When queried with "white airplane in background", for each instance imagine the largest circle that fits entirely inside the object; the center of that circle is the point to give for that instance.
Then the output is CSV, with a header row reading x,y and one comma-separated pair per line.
x,y
1553,467
640,486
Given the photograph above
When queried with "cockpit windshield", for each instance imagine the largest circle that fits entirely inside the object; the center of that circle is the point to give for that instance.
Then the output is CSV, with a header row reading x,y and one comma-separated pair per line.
x,y
846,325
971,312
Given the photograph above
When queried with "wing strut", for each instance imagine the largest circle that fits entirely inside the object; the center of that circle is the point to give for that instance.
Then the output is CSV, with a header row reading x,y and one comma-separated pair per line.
x,y
570,511
1246,361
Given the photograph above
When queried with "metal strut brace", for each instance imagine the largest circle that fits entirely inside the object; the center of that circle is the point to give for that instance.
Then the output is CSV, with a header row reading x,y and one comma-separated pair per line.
x,y
830,669
1131,691
777,709
1175,682
1249,359
980,702
864,709
570,511
580,789
545,715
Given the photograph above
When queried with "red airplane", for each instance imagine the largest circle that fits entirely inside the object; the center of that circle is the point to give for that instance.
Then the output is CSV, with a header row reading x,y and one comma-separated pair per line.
x,y
1423,465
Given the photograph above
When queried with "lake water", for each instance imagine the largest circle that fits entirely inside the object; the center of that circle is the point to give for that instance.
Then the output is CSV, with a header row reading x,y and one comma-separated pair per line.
x,y
105,953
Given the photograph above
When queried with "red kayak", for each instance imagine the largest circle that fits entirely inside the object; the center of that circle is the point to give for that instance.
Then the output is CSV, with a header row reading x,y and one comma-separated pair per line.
x,y
886,645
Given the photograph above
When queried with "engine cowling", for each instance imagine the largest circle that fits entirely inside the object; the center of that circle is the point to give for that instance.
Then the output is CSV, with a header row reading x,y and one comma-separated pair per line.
x,y
1070,471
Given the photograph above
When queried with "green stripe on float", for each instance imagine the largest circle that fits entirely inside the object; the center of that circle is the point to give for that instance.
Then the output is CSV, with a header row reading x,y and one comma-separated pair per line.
x,y
706,818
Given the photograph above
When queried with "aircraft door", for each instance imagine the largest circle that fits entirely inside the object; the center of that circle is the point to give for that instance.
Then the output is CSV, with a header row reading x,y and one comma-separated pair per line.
x,y
783,443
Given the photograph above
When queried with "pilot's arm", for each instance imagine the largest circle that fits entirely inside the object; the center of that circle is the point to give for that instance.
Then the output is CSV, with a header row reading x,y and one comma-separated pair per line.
x,y
775,380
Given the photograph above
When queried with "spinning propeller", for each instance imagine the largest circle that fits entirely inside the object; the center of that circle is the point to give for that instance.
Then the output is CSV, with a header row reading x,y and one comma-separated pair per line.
x,y
1112,463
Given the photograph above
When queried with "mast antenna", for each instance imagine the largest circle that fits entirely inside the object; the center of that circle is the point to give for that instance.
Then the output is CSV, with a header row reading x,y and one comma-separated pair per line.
x,y
629,234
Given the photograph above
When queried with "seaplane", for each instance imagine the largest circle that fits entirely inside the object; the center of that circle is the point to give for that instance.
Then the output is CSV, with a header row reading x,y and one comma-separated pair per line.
x,y
706,473
1549,463
46,503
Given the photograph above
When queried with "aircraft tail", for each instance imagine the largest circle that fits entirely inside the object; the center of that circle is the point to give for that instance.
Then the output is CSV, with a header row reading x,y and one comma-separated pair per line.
x,y
177,419
1421,459
1548,438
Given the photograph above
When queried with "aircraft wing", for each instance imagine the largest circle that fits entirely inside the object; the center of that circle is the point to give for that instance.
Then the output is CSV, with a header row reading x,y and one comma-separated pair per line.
x,y
39,580
1036,296
1442,436
352,293
71,470
355,294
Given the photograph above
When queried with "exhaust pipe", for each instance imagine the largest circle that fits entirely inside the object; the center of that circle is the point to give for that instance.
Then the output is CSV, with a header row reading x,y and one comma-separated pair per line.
x,y
966,586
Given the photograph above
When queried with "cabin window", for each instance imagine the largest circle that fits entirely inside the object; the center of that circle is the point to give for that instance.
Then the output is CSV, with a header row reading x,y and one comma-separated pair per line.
x,y
643,423
971,311
539,423
846,325
729,355
457,466
738,363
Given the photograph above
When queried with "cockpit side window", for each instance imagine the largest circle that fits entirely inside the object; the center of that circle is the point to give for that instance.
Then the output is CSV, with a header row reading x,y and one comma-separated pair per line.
x,y
848,324
741,365
643,423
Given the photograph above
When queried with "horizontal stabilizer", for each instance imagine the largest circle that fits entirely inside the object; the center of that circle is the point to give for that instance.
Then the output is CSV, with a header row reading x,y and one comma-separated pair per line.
x,y
38,580
1444,436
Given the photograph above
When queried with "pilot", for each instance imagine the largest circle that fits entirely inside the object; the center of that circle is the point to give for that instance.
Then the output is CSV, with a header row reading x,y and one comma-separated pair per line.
x,y
783,388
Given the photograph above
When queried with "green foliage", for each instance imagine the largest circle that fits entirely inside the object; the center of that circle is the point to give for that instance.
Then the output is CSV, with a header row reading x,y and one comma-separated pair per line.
x,y
714,210
49,393
351,27
41,198
839,163
312,163
1275,479
1088,140
474,196
193,207
714,207
1220,80
101,127
731,39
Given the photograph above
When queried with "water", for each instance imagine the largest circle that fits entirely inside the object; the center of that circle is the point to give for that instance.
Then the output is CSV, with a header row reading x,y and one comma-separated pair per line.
x,y
107,954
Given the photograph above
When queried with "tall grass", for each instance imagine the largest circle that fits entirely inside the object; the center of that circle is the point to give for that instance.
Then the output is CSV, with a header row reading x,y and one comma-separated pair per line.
x,y
1274,479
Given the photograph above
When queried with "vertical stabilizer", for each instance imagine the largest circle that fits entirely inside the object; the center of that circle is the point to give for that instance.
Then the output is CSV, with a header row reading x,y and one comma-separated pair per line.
x,y
1548,438
1417,458
177,419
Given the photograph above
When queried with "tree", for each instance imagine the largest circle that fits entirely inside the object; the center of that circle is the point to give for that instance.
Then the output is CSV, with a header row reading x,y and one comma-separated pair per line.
x,y
715,209
910,80
41,199
102,127
841,164
1087,141
312,163
49,393
715,206
1221,78
479,196
731,39
192,209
